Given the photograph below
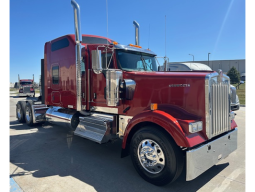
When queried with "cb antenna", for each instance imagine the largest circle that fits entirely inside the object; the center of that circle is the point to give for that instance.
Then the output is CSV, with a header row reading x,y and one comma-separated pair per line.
x,y
107,21
165,47
165,35
149,38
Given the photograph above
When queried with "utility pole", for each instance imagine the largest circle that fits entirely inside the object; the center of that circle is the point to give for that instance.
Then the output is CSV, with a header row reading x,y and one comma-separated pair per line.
x,y
193,57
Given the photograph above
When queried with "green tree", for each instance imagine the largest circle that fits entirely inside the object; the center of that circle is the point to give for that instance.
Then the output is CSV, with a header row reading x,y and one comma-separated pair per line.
x,y
234,75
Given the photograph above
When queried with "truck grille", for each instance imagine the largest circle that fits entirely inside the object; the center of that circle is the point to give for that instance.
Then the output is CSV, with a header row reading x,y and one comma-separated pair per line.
x,y
26,89
217,104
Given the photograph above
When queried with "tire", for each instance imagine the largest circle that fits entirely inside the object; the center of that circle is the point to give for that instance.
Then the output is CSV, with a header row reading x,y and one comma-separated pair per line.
x,y
20,113
29,114
165,157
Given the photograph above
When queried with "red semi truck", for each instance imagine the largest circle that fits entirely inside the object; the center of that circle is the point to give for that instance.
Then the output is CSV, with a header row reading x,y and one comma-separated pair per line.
x,y
102,91
26,87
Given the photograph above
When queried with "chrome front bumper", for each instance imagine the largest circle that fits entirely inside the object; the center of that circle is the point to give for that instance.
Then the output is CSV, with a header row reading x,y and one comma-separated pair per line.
x,y
200,159
25,94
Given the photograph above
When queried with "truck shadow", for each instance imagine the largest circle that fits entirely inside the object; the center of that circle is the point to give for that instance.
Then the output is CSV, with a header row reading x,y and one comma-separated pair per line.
x,y
16,96
24,97
45,150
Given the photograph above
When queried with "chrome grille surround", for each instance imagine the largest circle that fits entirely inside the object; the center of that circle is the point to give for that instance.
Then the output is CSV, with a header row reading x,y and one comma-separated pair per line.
x,y
217,104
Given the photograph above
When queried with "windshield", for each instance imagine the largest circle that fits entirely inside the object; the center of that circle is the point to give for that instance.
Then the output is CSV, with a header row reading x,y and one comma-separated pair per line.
x,y
136,61
25,83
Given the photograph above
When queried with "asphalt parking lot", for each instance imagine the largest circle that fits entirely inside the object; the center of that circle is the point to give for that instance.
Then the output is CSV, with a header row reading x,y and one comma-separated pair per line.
x,y
49,158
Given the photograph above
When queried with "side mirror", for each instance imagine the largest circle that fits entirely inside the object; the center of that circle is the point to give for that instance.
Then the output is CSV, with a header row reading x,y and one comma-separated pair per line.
x,y
96,61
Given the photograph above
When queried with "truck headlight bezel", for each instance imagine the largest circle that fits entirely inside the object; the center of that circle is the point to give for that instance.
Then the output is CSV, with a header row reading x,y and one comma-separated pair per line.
x,y
195,126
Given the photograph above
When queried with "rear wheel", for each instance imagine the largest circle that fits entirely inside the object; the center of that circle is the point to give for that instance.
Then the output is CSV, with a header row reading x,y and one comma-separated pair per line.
x,y
155,156
28,114
20,113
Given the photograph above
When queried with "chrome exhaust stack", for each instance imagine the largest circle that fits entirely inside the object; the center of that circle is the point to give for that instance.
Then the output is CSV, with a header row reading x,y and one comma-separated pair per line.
x,y
78,39
18,81
136,32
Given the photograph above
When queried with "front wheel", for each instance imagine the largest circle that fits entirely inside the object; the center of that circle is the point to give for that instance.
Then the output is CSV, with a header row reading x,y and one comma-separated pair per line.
x,y
155,156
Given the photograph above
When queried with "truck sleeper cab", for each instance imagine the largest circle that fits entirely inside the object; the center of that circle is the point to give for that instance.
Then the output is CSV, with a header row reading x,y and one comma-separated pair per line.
x,y
102,91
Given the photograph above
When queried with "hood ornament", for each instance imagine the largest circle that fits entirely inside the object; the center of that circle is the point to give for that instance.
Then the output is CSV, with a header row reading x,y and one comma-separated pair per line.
x,y
220,76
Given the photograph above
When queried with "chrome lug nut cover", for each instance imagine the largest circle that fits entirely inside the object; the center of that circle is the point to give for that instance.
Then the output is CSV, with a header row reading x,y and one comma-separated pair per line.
x,y
151,156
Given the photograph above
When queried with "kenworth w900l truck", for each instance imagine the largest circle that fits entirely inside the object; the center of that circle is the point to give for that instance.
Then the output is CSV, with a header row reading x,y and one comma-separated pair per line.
x,y
102,90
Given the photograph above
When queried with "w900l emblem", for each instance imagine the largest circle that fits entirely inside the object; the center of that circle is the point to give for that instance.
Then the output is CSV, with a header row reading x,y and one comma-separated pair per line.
x,y
179,85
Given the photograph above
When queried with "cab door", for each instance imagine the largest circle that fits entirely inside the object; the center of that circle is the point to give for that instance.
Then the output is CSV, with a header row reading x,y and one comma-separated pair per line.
x,y
98,80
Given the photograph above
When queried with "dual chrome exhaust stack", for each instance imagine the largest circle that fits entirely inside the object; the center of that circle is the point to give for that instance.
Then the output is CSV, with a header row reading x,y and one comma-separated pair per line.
x,y
78,39
136,32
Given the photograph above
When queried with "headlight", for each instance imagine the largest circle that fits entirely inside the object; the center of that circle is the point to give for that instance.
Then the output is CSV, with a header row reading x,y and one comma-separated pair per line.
x,y
199,125
195,127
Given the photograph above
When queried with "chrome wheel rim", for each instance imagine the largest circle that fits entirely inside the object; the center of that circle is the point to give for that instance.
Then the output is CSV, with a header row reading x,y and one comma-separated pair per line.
x,y
151,156
18,112
28,114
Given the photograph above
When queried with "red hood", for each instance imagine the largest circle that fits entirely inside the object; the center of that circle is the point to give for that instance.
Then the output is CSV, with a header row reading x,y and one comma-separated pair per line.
x,y
161,74
172,91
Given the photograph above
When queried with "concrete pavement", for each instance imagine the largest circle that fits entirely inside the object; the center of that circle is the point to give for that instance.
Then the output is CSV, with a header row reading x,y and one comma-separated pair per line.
x,y
49,158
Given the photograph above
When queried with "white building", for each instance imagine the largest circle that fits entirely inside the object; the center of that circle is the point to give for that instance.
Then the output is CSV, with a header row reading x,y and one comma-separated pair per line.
x,y
11,85
224,65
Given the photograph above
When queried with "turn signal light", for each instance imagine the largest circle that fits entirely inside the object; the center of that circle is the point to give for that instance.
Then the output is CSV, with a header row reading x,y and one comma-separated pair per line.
x,y
115,43
154,106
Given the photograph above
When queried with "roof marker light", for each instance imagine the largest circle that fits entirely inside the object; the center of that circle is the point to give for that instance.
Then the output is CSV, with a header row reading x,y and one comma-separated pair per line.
x,y
137,46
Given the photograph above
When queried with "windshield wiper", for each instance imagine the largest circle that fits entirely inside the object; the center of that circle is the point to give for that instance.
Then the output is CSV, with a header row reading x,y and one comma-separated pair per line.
x,y
144,63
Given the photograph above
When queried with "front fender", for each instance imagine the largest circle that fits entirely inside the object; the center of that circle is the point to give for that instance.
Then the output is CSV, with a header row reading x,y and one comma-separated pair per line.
x,y
167,122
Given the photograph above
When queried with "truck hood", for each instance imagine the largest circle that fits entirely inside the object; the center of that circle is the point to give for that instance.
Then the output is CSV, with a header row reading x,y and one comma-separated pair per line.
x,y
181,94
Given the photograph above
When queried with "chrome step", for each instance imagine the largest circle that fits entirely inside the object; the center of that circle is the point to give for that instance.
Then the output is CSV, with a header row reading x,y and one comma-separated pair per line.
x,y
97,127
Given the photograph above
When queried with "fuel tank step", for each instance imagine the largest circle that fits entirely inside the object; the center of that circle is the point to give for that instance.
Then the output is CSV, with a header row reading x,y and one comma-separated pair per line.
x,y
97,127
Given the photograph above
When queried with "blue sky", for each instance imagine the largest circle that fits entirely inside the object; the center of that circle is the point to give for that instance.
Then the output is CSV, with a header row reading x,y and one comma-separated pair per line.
x,y
192,27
